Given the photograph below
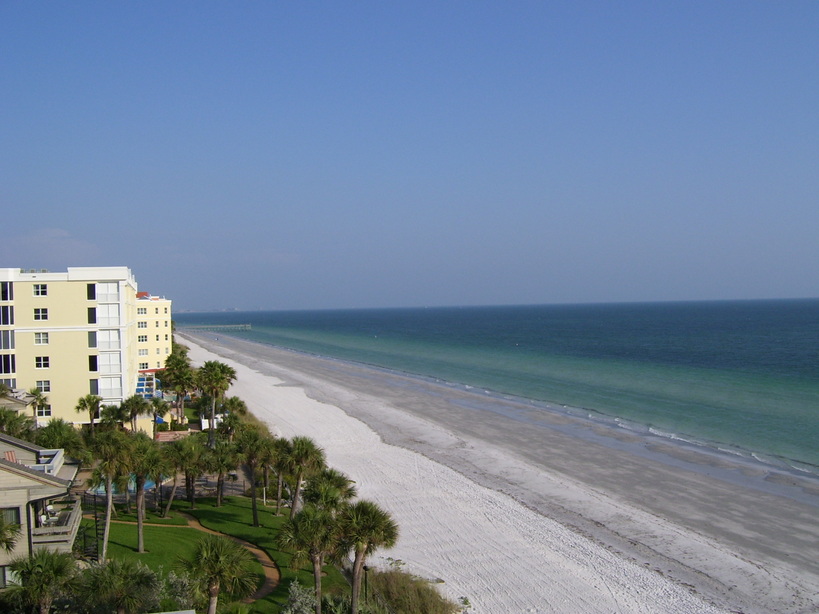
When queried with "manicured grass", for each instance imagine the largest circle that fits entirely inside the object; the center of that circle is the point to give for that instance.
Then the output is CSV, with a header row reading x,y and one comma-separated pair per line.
x,y
166,544
153,518
235,518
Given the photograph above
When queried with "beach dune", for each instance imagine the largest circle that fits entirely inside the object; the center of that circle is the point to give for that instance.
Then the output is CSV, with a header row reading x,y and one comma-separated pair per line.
x,y
518,513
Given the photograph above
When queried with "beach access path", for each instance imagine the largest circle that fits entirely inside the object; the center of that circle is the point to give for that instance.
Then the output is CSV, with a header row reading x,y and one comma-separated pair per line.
x,y
524,519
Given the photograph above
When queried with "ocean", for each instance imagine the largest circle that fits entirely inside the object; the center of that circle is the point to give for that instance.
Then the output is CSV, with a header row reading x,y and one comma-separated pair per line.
x,y
738,376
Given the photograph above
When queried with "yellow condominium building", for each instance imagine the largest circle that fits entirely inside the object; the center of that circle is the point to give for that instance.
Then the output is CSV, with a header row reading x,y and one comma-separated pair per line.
x,y
84,331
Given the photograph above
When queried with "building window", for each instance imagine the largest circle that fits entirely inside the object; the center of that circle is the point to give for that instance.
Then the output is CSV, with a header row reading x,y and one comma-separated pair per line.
x,y
44,411
92,338
157,350
41,313
6,291
141,311
157,337
143,365
108,292
40,338
7,315
91,292
166,337
166,324
157,323
166,310
6,339
92,315
156,310
41,362
40,289
44,385
8,364
142,338
94,386
167,350
92,363
143,352
108,340
142,325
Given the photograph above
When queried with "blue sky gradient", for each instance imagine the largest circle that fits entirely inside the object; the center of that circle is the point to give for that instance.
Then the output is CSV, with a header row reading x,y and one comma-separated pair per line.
x,y
368,154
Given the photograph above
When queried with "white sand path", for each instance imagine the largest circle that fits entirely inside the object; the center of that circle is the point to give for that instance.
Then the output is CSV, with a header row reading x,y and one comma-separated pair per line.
x,y
480,543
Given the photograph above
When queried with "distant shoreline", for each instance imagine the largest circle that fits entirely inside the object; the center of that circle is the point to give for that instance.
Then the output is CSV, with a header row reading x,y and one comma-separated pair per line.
x,y
697,528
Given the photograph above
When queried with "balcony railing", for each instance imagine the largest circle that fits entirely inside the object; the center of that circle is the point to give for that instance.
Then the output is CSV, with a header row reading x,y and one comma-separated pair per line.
x,y
60,529
51,461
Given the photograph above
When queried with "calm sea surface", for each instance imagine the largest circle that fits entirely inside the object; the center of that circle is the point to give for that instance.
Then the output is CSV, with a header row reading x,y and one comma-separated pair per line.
x,y
741,376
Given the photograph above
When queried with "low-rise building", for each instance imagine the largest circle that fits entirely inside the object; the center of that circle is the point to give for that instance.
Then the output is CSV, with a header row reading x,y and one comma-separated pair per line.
x,y
35,494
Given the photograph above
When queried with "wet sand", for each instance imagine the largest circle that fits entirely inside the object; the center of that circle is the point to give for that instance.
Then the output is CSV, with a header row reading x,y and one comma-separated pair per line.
x,y
521,509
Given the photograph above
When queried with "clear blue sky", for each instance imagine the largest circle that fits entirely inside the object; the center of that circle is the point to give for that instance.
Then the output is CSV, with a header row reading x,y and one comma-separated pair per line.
x,y
290,155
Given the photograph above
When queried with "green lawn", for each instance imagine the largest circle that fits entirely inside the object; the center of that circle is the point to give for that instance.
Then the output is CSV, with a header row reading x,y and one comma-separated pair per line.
x,y
166,544
235,518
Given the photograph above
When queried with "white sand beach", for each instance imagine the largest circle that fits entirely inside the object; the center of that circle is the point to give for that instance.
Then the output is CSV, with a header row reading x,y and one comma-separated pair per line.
x,y
521,528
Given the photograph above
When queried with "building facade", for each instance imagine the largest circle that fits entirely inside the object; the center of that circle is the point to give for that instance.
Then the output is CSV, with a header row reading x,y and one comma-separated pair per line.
x,y
79,332
34,495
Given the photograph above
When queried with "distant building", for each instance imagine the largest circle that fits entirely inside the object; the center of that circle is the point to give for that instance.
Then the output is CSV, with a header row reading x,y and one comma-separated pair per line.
x,y
84,331
34,494
154,340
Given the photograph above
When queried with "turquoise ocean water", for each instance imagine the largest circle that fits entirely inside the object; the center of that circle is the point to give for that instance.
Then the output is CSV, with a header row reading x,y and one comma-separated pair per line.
x,y
739,376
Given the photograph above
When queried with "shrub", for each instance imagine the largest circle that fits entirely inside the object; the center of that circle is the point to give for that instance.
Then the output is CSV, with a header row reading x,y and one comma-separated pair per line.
x,y
405,593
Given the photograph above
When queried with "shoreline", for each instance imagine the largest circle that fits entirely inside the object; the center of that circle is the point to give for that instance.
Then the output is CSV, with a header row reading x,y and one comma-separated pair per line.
x,y
730,543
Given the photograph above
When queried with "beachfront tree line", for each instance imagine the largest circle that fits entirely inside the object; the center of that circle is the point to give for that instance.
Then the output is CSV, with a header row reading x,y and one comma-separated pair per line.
x,y
324,526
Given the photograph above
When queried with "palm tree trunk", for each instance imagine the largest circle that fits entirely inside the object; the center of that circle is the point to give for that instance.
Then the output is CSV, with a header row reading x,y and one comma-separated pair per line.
x,y
140,505
358,567
212,433
254,504
279,493
170,499
109,504
190,488
317,578
296,494
220,485
213,591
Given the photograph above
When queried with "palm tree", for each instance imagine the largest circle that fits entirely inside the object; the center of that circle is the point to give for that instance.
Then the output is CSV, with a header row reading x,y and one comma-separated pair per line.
x,y
136,405
178,376
173,454
221,459
220,563
124,586
214,379
111,449
42,577
192,463
60,434
114,417
145,457
306,459
312,535
9,534
16,424
251,442
234,408
159,407
90,404
39,402
365,527
281,465
330,490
